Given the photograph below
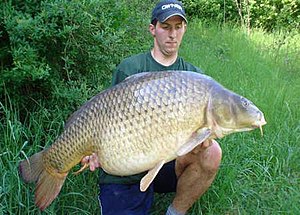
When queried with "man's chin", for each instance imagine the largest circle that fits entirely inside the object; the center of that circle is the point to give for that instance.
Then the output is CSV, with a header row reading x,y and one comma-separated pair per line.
x,y
171,52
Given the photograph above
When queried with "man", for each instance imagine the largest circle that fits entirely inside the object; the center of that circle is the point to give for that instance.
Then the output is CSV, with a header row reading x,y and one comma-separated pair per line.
x,y
190,175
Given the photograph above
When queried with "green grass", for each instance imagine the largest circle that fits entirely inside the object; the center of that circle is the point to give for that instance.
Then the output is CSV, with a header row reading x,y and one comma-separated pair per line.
x,y
258,175
19,140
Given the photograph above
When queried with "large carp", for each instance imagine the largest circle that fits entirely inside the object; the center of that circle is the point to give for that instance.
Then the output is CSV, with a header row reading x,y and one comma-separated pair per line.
x,y
138,125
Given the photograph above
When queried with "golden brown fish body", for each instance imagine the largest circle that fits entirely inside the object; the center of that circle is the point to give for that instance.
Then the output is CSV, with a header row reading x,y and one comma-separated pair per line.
x,y
138,125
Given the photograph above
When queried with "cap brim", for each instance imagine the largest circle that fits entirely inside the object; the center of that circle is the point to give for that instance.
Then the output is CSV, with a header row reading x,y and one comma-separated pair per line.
x,y
163,19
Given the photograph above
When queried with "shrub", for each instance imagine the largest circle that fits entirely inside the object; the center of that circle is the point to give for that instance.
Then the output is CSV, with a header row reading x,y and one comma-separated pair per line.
x,y
276,14
211,10
266,14
66,50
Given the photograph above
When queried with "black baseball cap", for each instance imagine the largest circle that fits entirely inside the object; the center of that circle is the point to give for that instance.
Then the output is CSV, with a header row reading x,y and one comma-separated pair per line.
x,y
166,9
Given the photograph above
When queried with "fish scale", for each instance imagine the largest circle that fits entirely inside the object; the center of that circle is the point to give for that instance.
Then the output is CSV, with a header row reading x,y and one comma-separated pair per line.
x,y
139,124
145,112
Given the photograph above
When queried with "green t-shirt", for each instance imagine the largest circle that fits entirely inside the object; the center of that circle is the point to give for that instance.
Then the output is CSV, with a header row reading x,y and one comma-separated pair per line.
x,y
145,63
136,64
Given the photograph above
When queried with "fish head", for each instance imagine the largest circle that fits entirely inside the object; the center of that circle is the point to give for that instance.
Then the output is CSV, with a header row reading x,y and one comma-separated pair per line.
x,y
229,113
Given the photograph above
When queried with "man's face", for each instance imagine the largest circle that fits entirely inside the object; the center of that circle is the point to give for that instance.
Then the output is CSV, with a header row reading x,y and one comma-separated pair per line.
x,y
168,35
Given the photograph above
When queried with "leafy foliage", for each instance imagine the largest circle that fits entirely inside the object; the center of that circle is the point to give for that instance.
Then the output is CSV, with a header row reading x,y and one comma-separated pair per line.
x,y
266,14
65,50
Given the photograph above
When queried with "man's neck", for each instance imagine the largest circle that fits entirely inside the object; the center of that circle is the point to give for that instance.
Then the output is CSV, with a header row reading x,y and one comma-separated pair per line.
x,y
162,59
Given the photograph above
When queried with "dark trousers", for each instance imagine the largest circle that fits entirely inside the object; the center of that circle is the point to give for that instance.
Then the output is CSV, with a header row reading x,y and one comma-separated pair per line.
x,y
127,199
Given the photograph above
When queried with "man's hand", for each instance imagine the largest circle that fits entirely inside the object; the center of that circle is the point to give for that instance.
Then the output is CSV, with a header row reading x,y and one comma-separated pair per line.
x,y
92,161
203,146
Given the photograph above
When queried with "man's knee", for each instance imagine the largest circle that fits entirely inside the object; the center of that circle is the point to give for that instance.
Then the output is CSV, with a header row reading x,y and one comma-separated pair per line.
x,y
210,158
206,160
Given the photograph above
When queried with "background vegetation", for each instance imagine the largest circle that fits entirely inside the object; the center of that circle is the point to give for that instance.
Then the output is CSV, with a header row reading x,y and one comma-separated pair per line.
x,y
269,15
55,54
64,51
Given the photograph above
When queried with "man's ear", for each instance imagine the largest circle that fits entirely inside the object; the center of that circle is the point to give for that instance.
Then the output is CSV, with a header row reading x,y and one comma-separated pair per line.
x,y
185,26
152,29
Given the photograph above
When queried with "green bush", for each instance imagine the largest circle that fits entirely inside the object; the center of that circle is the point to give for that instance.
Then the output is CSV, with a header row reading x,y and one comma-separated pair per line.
x,y
276,14
211,10
66,50
265,14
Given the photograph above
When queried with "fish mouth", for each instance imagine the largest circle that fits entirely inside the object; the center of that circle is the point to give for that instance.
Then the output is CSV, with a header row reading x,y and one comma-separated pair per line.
x,y
259,124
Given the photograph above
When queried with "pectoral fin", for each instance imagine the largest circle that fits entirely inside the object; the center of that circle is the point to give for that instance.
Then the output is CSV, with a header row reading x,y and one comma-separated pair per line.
x,y
149,177
200,136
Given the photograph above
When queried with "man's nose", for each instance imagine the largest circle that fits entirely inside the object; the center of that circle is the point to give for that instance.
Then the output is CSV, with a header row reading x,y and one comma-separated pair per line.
x,y
173,33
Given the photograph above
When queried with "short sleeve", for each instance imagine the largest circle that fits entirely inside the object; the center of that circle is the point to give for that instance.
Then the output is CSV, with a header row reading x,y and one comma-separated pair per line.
x,y
118,76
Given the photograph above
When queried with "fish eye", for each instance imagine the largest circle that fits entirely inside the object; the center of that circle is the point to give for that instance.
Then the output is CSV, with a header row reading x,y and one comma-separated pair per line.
x,y
245,102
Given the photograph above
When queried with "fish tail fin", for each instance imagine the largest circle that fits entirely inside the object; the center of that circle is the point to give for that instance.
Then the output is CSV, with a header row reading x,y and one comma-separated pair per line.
x,y
48,183
31,168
